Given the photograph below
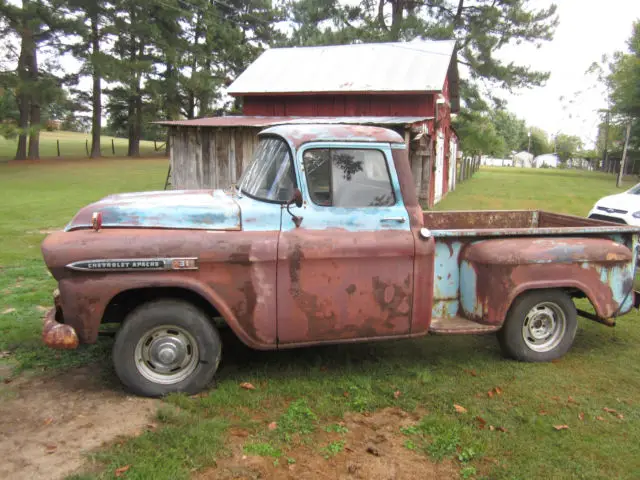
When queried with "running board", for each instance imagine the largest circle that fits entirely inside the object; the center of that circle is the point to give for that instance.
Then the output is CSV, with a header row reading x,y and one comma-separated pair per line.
x,y
459,326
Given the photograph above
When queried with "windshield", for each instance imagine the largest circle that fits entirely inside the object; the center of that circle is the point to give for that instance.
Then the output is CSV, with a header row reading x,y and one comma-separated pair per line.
x,y
635,190
269,177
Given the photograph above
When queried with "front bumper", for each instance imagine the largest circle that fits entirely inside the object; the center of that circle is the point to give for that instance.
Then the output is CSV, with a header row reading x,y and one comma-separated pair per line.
x,y
56,334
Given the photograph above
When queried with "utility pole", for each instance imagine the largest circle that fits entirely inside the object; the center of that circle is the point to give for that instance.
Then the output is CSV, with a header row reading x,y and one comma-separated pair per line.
x,y
624,155
605,153
529,135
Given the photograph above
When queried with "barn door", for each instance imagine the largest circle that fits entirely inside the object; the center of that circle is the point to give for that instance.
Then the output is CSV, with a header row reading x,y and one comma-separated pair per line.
x,y
452,163
439,176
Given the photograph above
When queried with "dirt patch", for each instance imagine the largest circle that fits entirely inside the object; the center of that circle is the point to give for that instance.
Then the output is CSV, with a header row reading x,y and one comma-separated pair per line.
x,y
47,424
373,449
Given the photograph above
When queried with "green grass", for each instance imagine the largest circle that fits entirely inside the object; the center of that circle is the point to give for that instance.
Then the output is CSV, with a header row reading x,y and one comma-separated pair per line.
x,y
36,199
307,392
73,145
563,191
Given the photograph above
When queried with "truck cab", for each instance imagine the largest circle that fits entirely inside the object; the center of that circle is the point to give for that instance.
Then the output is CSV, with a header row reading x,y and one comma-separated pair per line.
x,y
322,241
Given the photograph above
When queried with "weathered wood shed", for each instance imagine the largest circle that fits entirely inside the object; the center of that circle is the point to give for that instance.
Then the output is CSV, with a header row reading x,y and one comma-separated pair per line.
x,y
410,87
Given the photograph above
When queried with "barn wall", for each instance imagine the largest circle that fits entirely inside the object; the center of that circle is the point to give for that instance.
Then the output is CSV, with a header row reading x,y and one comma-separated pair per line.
x,y
339,105
210,157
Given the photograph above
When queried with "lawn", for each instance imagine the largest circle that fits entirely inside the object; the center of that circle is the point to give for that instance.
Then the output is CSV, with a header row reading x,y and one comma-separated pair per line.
x,y
73,145
308,392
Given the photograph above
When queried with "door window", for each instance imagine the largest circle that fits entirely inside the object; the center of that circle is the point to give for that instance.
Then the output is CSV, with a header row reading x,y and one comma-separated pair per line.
x,y
348,178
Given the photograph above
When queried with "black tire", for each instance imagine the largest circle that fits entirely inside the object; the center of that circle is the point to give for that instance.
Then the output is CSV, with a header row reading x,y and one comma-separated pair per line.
x,y
530,318
176,326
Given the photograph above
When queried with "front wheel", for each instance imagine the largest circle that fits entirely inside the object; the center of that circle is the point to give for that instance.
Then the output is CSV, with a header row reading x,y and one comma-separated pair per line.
x,y
166,346
540,326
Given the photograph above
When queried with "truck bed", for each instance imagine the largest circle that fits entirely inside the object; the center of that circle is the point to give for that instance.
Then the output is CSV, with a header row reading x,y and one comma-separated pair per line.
x,y
489,223
455,230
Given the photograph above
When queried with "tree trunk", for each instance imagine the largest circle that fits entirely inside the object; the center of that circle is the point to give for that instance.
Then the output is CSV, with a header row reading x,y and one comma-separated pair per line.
x,y
396,19
23,99
96,93
135,128
34,109
191,97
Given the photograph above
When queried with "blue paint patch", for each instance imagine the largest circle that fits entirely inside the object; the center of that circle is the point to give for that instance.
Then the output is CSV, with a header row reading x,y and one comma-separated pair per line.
x,y
468,290
260,216
446,272
179,209
445,309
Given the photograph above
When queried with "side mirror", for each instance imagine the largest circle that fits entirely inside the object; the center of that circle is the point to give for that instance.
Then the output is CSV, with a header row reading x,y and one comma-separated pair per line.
x,y
296,199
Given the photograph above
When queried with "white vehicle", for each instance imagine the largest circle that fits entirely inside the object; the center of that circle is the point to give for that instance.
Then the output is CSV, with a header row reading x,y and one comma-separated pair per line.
x,y
620,208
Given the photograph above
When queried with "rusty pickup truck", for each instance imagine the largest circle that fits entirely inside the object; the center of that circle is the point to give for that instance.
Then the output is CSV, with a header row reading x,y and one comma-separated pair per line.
x,y
322,241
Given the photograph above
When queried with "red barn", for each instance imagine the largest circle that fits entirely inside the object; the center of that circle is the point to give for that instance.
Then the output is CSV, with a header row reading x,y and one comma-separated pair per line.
x,y
410,87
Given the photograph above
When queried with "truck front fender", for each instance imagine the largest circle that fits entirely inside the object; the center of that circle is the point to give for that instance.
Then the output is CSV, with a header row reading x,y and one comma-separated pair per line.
x,y
494,272
85,299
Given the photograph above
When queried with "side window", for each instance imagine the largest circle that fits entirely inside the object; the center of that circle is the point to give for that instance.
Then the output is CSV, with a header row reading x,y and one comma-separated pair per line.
x,y
348,178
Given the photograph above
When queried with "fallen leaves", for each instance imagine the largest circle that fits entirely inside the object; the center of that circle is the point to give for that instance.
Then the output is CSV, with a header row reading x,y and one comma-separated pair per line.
x,y
459,408
570,399
581,416
121,470
49,449
600,418
610,410
494,391
499,429
247,386
272,426
200,395
8,311
397,394
542,412
620,416
481,422
561,427
48,421
5,354
471,372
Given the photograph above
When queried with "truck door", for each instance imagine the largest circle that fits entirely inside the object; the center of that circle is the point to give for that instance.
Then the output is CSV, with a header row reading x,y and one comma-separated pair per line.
x,y
347,271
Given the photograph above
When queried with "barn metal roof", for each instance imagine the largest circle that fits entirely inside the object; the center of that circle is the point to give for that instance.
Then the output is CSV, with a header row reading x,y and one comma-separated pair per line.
x,y
415,66
260,121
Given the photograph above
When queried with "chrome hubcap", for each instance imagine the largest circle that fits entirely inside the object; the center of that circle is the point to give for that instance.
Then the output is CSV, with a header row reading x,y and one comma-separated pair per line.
x,y
166,354
544,327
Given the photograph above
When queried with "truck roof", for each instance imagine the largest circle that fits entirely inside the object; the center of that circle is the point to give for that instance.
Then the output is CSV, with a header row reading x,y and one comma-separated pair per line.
x,y
299,134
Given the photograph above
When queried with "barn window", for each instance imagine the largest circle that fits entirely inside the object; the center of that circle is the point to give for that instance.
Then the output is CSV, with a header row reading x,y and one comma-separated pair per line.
x,y
270,175
348,178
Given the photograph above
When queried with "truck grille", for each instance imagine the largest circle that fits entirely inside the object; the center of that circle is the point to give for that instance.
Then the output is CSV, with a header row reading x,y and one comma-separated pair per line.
x,y
612,210
607,218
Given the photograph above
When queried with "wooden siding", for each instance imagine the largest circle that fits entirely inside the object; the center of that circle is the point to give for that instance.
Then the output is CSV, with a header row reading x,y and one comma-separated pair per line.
x,y
210,157
339,105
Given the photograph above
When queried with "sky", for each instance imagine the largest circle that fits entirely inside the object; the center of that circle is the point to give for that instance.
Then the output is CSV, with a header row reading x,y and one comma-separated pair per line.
x,y
588,29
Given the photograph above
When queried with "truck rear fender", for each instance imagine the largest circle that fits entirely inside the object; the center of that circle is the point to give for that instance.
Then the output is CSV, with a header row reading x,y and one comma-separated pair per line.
x,y
493,273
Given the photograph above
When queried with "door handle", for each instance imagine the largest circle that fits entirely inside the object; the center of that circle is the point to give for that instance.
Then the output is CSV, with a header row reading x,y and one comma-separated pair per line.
x,y
393,219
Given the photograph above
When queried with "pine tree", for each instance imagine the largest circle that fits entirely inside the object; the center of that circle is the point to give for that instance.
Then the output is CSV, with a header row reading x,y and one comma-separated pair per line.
x,y
92,28
35,23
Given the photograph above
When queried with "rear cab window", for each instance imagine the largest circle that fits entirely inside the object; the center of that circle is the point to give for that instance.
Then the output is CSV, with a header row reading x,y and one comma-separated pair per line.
x,y
348,178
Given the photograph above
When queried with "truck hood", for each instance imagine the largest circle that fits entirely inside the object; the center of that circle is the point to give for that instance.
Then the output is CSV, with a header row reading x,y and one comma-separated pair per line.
x,y
177,209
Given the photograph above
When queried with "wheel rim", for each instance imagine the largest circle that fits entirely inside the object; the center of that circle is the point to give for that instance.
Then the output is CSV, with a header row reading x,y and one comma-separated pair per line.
x,y
544,327
166,354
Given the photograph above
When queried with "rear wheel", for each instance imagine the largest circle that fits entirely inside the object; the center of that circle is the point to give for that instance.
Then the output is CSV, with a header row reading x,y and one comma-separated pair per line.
x,y
166,346
540,326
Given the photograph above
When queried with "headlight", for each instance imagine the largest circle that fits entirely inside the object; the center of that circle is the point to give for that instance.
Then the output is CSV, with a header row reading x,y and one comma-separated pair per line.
x,y
636,214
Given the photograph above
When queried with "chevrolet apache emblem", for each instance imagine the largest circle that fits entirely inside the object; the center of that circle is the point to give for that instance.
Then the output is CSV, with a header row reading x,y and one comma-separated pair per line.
x,y
135,264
